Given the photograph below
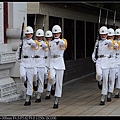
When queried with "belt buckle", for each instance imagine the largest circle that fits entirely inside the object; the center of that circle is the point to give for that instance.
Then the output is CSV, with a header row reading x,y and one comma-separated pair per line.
x,y
54,56
25,56
110,56
101,56
36,56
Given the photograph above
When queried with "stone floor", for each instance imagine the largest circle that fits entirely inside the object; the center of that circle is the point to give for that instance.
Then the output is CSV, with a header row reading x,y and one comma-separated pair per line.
x,y
80,97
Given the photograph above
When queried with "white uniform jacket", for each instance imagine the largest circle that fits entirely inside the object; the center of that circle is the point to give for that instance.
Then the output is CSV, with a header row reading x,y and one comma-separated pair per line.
x,y
56,54
27,59
103,50
40,53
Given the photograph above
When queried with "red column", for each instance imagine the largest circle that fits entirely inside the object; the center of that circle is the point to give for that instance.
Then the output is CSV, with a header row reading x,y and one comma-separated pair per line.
x,y
5,20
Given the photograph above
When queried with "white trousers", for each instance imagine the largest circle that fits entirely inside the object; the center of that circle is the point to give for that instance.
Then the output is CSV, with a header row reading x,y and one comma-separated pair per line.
x,y
102,74
57,77
118,79
41,73
111,83
29,73
49,86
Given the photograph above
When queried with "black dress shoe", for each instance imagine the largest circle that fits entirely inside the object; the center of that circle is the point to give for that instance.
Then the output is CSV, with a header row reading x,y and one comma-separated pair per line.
x,y
102,102
116,96
55,106
47,97
38,100
99,86
108,99
27,103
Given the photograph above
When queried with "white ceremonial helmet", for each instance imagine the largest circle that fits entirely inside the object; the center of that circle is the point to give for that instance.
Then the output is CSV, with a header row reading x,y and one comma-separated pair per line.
x,y
28,30
48,33
39,33
56,29
117,31
111,32
103,30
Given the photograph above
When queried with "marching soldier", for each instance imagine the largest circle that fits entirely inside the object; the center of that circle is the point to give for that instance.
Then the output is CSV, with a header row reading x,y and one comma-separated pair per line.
x,y
57,65
48,37
112,63
117,84
39,58
27,63
102,63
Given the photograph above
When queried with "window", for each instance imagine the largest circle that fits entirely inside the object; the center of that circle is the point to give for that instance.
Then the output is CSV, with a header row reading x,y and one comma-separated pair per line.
x,y
69,36
80,39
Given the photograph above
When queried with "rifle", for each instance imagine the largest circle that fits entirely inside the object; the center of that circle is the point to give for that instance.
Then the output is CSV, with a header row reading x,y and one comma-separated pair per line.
x,y
96,47
43,22
21,37
34,26
114,20
106,21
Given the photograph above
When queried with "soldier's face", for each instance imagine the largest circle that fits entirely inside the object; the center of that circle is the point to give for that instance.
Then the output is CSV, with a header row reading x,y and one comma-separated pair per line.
x,y
110,37
57,35
118,36
39,38
103,36
28,36
48,38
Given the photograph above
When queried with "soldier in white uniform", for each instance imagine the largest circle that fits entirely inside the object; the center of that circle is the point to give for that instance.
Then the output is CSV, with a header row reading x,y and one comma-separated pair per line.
x,y
40,62
117,84
102,63
27,62
48,37
112,64
57,65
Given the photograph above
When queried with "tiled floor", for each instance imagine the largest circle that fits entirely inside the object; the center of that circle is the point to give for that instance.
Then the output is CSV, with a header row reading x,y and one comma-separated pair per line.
x,y
80,98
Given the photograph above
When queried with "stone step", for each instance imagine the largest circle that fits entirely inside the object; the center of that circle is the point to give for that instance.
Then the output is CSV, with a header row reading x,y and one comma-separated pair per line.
x,y
10,98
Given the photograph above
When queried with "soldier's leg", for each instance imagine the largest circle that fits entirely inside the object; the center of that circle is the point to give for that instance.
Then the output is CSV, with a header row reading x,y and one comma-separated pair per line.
x,y
35,80
52,80
23,75
41,72
45,78
117,86
99,76
58,89
104,86
29,86
111,83
48,94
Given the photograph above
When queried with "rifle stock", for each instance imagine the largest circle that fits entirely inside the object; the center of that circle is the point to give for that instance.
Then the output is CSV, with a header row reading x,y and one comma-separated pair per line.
x,y
21,38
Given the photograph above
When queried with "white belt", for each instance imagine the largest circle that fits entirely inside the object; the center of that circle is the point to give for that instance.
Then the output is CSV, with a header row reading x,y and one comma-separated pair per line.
x,y
101,56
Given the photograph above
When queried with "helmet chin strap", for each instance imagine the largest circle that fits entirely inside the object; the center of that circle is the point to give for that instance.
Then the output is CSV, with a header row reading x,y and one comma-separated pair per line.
x,y
56,37
29,38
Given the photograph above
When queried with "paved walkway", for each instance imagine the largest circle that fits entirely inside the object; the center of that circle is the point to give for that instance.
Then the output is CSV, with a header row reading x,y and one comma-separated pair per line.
x,y
80,98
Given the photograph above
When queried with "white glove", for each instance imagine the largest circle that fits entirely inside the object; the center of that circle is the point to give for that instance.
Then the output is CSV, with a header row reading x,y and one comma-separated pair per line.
x,y
61,42
94,60
19,60
116,46
106,42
